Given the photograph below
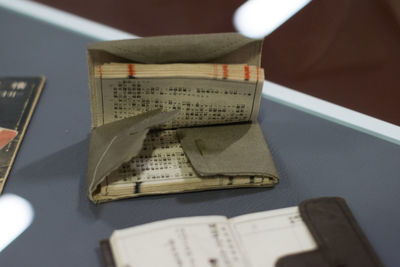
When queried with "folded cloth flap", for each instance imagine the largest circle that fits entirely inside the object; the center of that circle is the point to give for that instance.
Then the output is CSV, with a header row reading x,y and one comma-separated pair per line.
x,y
237,149
115,143
219,48
340,240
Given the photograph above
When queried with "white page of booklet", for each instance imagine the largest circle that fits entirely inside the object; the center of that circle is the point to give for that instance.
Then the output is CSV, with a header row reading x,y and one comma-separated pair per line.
x,y
257,239
267,236
193,241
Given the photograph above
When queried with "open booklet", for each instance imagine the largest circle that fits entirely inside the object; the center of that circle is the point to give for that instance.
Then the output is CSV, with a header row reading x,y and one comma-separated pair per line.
x,y
319,232
252,240
185,122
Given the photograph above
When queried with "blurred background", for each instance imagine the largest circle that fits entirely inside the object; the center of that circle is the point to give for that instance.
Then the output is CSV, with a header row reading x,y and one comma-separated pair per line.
x,y
343,51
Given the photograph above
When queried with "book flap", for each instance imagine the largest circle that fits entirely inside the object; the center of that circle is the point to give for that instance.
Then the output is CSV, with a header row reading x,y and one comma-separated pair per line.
x,y
340,240
115,143
217,48
231,150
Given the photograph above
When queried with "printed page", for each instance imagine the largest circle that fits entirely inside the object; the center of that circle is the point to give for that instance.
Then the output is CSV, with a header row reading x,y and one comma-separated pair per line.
x,y
162,167
192,242
267,236
200,101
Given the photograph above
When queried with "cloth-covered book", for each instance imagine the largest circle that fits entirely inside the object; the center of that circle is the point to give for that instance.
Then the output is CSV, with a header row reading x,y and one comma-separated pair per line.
x,y
174,114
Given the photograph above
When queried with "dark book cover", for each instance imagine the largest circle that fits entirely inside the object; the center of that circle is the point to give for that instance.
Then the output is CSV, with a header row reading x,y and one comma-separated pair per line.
x,y
106,252
18,99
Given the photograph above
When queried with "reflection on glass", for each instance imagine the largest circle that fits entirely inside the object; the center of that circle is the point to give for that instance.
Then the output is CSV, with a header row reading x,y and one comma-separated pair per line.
x,y
16,215
258,18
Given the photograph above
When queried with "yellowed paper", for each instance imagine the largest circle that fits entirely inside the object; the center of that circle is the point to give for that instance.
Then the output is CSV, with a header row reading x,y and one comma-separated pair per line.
x,y
252,240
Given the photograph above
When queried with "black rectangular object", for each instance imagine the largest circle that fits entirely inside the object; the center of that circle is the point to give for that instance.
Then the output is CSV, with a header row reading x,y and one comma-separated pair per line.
x,y
18,99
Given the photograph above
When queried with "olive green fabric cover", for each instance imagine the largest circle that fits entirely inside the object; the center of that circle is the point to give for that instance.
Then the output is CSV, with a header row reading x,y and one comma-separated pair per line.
x,y
237,149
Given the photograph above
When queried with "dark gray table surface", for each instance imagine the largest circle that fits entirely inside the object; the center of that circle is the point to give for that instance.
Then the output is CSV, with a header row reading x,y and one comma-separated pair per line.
x,y
314,157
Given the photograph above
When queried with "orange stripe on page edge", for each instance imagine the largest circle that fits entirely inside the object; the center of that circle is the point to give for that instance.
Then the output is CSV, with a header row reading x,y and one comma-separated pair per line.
x,y
258,73
246,72
131,70
225,71
6,136
100,71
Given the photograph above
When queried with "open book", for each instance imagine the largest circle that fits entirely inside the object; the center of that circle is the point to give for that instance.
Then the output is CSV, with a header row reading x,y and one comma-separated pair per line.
x,y
319,232
252,240
176,127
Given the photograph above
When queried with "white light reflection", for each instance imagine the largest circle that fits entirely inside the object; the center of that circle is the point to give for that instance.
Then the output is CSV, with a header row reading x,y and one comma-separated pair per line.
x,y
258,18
16,214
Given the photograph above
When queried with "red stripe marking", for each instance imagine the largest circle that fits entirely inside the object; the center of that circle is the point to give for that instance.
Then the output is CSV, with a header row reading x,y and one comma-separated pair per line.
x,y
246,73
258,73
131,70
215,71
100,71
225,71
6,136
